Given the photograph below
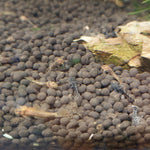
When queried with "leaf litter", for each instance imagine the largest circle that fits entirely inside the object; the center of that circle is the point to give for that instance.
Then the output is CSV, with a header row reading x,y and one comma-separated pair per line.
x,y
130,46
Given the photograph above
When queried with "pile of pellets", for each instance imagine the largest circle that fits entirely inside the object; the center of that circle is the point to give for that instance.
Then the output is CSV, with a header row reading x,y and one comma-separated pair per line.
x,y
101,117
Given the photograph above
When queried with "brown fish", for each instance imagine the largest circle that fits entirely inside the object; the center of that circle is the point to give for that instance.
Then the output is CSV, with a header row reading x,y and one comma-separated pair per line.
x,y
49,84
26,111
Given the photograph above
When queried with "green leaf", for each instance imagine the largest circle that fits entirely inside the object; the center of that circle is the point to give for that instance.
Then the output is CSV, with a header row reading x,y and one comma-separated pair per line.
x,y
139,11
145,1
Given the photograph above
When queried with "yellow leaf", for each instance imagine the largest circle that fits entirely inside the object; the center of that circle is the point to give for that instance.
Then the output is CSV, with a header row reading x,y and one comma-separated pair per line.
x,y
135,61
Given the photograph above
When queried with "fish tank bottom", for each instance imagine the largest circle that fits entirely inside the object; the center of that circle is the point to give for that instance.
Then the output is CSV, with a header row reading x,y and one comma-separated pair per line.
x,y
54,93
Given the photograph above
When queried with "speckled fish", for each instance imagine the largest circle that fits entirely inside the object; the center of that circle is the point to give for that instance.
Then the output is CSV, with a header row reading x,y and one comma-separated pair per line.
x,y
116,87
73,84
135,118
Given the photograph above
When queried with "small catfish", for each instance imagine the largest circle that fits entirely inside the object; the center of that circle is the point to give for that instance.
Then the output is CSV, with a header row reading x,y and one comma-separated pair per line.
x,y
26,111
73,84
106,68
135,118
118,88
49,84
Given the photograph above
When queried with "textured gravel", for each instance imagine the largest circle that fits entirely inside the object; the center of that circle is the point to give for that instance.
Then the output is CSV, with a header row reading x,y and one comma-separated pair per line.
x,y
99,117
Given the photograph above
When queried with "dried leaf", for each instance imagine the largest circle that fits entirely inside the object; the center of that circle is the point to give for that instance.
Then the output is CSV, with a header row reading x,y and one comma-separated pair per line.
x,y
114,41
134,27
118,52
133,39
91,39
135,61
133,32
137,33
146,49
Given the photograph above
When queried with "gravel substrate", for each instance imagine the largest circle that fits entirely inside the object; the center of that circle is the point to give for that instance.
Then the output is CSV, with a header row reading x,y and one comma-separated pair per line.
x,y
98,116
